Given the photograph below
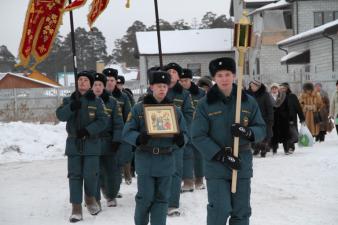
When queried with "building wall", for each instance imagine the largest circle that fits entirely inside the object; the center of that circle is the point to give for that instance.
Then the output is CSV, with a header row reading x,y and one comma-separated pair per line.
x,y
183,60
271,68
320,63
9,82
306,10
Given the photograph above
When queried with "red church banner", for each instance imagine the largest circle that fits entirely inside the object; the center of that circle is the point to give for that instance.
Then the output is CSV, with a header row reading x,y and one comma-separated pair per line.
x,y
96,8
76,4
41,26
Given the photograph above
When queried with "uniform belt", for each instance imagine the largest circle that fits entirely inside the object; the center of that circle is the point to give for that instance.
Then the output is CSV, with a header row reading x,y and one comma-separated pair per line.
x,y
245,147
90,137
156,150
242,148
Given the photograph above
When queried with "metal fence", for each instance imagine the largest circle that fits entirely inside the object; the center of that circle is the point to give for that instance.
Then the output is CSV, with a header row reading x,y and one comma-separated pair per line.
x,y
31,104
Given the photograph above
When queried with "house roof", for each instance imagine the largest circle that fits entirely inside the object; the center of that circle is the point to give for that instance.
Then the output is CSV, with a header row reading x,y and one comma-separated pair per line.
x,y
38,76
326,29
19,75
252,4
275,5
186,41
296,57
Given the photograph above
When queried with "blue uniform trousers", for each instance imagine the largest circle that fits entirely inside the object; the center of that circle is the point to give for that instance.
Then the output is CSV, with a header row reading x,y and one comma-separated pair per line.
x,y
175,192
152,198
82,170
223,204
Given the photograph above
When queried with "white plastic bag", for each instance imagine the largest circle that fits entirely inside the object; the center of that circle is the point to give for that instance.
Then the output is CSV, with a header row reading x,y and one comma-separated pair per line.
x,y
305,138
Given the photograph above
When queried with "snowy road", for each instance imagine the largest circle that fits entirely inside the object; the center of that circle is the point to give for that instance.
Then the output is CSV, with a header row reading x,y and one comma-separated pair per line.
x,y
301,189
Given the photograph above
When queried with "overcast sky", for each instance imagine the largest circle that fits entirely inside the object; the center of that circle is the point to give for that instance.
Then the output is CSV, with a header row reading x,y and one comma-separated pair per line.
x,y
115,19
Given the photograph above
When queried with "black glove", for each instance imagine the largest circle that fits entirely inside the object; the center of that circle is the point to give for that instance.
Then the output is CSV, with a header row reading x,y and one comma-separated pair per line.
x,y
143,138
75,105
115,145
238,130
179,139
227,158
82,133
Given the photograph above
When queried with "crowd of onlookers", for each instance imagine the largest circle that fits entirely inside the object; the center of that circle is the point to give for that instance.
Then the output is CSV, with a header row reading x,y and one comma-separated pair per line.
x,y
282,109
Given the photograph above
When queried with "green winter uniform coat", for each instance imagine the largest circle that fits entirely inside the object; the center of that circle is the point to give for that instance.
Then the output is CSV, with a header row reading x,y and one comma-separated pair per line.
x,y
83,154
192,159
154,171
211,131
92,117
182,99
124,154
110,174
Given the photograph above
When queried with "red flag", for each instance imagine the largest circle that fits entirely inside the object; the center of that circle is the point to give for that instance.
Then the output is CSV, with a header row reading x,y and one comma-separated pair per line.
x,y
42,22
76,4
96,8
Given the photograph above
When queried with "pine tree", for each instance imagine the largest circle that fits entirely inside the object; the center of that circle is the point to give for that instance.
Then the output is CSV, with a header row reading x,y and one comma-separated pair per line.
x,y
7,60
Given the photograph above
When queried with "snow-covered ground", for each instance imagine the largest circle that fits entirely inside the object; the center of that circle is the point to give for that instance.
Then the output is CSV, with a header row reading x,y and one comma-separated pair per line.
x,y
300,189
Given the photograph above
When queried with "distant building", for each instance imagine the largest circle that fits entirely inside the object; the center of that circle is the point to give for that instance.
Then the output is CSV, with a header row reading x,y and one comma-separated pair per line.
x,y
275,56
191,49
312,53
14,80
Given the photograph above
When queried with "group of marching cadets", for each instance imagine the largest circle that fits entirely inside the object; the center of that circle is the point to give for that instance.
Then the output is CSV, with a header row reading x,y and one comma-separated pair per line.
x,y
105,134
95,117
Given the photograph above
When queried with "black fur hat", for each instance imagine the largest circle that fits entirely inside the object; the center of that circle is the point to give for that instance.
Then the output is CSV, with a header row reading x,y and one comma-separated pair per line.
x,y
224,63
174,66
87,74
186,73
100,77
308,87
110,72
204,81
120,79
160,77
151,70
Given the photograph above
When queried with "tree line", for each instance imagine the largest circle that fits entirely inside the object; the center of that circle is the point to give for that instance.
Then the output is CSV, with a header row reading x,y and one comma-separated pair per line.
x,y
91,46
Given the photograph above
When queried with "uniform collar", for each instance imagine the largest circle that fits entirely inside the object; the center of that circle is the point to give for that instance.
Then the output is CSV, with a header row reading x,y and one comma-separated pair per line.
x,y
177,88
105,96
88,95
150,100
215,95
117,92
194,89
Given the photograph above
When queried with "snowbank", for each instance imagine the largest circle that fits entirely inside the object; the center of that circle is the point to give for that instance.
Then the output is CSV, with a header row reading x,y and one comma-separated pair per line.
x,y
31,141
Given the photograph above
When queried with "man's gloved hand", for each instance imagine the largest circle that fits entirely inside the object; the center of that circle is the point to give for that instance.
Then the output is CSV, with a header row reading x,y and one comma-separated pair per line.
x,y
115,145
143,138
82,133
237,130
75,105
226,157
179,139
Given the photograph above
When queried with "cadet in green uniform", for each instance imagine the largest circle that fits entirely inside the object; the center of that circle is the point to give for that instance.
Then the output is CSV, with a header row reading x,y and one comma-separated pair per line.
x,y
192,159
85,119
124,153
120,85
213,131
110,140
182,100
154,157
127,167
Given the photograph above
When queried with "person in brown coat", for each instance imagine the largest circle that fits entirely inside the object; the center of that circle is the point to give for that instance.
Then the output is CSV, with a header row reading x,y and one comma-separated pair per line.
x,y
324,113
311,103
